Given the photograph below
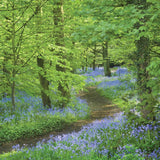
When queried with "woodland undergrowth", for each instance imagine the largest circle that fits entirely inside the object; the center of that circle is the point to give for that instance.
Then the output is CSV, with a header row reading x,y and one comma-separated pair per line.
x,y
126,136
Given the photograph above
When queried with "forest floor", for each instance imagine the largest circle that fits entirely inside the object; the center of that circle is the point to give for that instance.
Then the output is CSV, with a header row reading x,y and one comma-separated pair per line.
x,y
100,107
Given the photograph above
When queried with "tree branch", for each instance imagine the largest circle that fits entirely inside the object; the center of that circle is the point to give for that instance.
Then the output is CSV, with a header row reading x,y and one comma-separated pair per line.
x,y
29,4
35,12
26,62
18,48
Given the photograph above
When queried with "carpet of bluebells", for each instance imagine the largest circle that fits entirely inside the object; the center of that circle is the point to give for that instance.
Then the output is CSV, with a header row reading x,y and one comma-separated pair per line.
x,y
28,107
103,139
32,119
104,82
110,138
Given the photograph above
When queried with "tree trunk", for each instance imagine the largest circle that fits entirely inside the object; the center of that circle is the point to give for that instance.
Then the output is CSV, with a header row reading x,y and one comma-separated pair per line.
x,y
13,94
142,61
106,62
94,58
44,83
41,63
94,64
86,68
6,77
144,92
14,59
63,87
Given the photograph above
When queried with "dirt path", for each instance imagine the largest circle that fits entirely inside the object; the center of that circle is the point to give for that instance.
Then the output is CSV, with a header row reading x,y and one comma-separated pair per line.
x,y
99,105
100,108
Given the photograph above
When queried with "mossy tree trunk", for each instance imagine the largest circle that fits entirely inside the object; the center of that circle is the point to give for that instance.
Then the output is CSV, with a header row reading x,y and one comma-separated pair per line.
x,y
13,40
144,92
58,33
44,83
142,61
94,58
106,62
5,79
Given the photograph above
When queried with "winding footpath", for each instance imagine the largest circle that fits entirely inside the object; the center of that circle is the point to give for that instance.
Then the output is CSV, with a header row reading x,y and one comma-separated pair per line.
x,y
100,108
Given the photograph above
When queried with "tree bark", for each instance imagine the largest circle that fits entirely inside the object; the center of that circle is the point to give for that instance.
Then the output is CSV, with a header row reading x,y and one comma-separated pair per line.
x,y
142,61
6,76
106,62
13,93
44,83
58,33
144,92
94,58
14,59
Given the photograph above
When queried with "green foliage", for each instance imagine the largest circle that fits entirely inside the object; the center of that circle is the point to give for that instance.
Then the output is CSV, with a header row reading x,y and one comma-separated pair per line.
x,y
38,126
154,71
28,36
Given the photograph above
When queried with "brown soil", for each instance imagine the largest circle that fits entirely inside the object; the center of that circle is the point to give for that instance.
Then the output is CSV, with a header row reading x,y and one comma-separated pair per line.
x,y
100,108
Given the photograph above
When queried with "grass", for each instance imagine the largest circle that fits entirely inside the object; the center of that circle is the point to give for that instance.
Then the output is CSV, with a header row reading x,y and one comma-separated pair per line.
x,y
40,126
